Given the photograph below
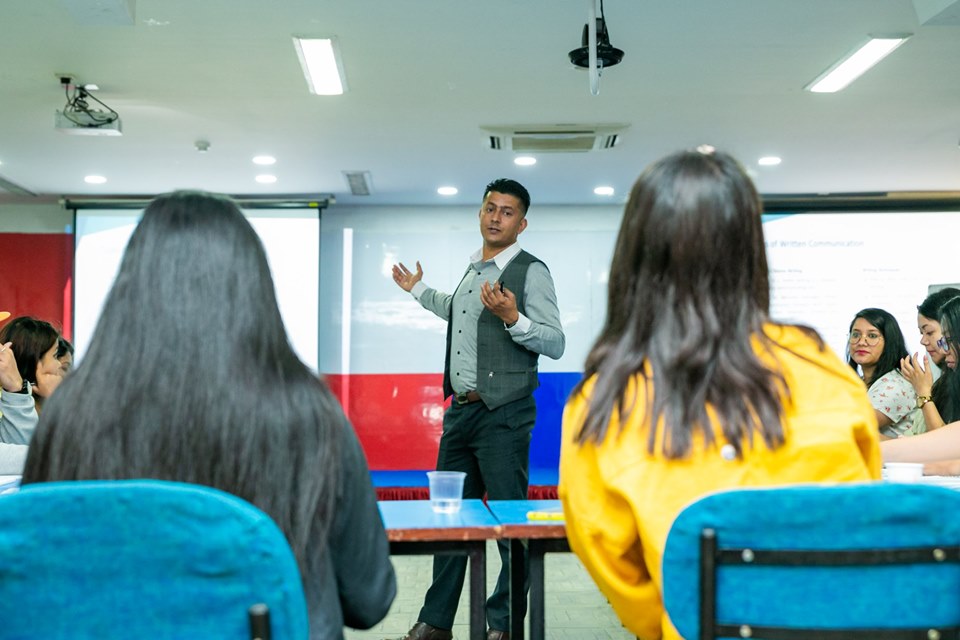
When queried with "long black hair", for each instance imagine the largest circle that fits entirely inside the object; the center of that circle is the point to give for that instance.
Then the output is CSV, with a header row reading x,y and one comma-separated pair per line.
x,y
932,305
688,293
189,376
894,346
946,390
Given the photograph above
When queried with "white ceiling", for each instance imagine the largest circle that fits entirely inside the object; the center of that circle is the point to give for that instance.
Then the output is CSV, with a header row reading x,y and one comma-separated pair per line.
x,y
425,75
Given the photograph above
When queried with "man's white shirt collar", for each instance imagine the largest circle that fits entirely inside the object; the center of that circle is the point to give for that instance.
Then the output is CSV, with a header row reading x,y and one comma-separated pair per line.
x,y
502,259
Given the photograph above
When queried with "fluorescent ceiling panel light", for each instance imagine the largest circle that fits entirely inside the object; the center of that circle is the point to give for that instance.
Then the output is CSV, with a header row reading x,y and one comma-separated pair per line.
x,y
603,191
524,161
264,160
266,178
769,161
94,179
320,60
855,64
447,191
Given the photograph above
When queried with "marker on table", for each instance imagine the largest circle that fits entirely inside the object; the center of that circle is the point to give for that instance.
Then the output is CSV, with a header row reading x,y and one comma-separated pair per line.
x,y
545,515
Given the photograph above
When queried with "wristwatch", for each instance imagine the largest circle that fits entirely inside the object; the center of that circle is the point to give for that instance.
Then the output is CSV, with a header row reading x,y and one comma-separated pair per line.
x,y
922,400
24,388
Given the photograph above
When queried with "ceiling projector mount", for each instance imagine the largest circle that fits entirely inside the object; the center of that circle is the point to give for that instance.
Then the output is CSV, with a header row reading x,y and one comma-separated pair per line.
x,y
596,53
78,117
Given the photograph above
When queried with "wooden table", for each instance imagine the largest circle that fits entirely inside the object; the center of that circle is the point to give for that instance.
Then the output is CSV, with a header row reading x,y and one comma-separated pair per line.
x,y
541,537
414,529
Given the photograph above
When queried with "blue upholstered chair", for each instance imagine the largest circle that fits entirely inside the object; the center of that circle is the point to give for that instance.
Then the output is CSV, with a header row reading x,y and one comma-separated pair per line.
x,y
143,559
872,561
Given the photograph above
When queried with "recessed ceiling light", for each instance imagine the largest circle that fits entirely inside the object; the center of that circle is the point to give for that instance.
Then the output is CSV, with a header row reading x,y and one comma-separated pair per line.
x,y
264,160
448,191
856,63
266,178
94,179
524,161
320,59
603,191
769,161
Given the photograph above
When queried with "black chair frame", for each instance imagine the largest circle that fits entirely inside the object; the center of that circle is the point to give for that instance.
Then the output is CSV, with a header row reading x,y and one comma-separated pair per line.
x,y
713,556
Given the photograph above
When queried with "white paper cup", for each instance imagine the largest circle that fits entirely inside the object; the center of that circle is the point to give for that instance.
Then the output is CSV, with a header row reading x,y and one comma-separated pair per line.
x,y
903,471
446,490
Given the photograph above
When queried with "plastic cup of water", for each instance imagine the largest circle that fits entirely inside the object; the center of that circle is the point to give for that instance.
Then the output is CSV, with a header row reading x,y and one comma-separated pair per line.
x,y
446,490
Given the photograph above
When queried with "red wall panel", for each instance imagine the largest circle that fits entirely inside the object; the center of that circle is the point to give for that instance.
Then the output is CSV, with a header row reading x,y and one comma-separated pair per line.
x,y
36,277
398,417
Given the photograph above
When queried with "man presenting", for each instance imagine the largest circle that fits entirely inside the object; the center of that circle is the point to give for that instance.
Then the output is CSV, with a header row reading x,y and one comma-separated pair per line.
x,y
500,318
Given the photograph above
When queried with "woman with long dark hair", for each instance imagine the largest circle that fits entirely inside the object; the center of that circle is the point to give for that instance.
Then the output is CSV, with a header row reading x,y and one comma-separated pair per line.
x,y
939,449
937,398
690,387
876,348
190,377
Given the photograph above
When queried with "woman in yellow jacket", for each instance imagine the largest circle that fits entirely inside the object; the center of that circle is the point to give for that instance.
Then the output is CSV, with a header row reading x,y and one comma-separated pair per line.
x,y
690,388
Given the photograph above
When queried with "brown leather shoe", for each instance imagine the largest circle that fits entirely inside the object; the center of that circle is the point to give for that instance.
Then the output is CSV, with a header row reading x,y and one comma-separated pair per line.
x,y
493,634
424,631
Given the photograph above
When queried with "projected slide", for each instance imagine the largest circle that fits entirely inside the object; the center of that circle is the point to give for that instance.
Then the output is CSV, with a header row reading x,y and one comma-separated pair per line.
x,y
291,238
825,267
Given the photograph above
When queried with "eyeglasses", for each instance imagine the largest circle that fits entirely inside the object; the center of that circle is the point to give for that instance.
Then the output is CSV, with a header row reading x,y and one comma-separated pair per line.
x,y
944,343
872,338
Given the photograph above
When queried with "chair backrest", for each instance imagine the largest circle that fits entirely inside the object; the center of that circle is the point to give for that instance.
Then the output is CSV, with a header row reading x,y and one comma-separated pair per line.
x,y
873,561
139,559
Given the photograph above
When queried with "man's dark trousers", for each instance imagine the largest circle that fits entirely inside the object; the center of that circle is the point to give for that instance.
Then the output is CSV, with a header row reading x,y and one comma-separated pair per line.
x,y
493,448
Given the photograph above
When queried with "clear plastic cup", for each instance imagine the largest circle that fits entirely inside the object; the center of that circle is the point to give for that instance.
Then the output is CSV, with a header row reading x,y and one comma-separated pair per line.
x,y
446,490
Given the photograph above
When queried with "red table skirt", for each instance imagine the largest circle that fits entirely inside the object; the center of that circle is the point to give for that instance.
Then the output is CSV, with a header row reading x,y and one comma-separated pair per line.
x,y
535,492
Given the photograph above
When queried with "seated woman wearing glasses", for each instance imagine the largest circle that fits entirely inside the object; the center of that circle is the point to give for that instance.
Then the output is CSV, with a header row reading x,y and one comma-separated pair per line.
x,y
876,347
937,397
213,394
691,388
940,448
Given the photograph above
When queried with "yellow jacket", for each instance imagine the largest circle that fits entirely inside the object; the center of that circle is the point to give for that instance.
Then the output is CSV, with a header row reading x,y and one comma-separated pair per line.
x,y
619,500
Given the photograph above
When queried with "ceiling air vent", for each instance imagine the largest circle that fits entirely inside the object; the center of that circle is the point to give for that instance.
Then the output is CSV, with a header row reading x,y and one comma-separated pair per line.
x,y
359,182
558,138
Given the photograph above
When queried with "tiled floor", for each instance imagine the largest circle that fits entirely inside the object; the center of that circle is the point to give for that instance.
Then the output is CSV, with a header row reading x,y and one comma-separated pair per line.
x,y
575,609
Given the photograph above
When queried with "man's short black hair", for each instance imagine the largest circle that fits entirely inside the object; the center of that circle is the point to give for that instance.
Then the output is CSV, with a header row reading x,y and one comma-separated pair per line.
x,y
511,188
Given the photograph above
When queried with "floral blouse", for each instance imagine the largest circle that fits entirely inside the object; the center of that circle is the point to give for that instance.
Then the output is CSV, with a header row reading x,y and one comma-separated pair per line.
x,y
893,396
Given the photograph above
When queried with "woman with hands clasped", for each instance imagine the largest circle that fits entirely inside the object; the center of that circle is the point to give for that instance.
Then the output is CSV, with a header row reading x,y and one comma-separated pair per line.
x,y
941,446
876,347
939,449
936,397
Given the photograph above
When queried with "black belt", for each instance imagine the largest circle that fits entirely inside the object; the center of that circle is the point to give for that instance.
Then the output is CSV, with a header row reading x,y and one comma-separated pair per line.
x,y
466,397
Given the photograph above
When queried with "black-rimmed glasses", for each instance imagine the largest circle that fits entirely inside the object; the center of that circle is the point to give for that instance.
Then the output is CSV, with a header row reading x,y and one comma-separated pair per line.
x,y
944,343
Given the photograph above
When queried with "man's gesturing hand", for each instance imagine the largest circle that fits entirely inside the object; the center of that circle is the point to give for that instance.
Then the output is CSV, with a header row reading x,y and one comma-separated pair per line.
x,y
405,278
501,302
